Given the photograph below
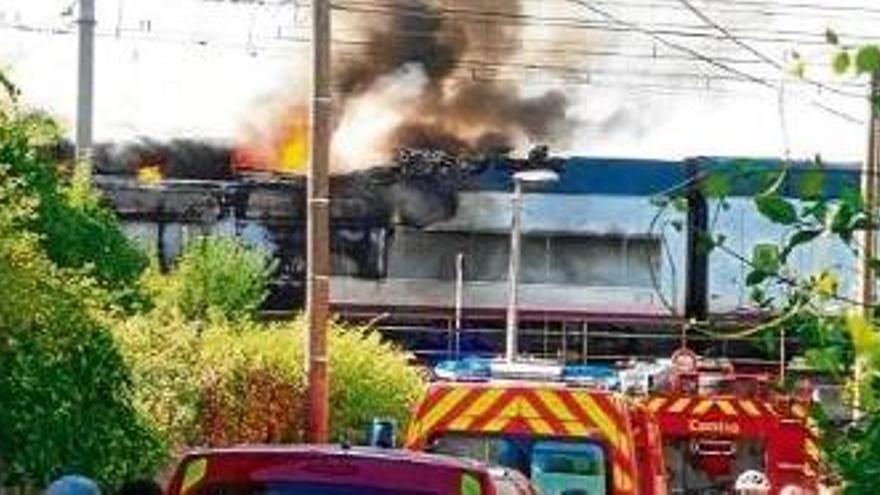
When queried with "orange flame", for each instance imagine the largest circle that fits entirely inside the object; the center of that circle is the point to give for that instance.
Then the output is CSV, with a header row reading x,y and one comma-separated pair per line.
x,y
150,174
284,149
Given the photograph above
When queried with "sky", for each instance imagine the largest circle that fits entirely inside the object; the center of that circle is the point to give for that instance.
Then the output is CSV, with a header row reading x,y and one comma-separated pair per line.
x,y
215,68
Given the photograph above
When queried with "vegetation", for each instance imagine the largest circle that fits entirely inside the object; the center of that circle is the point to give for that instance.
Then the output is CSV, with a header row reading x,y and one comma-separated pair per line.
x,y
214,277
59,366
73,229
813,307
230,382
107,366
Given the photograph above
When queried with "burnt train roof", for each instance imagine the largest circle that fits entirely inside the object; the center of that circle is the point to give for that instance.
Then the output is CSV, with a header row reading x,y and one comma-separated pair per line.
x,y
642,177
578,175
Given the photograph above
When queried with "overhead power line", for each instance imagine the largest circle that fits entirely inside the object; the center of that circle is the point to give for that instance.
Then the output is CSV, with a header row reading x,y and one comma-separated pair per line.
x,y
523,19
761,55
760,7
705,58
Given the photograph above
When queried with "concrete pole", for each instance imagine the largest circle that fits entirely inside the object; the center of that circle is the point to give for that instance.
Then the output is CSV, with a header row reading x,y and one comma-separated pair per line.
x,y
868,280
85,80
459,301
318,238
867,287
513,273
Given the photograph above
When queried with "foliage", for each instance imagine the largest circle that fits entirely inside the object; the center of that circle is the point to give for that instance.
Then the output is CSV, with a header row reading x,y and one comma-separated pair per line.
x,y
254,390
74,229
369,378
162,351
215,276
814,307
64,389
226,382
59,371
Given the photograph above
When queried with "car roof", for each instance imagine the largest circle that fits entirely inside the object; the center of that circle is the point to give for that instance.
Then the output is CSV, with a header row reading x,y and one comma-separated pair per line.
x,y
367,453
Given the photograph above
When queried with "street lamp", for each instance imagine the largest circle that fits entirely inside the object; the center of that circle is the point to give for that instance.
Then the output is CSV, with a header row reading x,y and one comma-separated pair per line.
x,y
531,178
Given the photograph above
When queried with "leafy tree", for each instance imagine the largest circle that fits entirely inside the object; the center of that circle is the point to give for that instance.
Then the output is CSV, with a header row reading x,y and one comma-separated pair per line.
x,y
74,229
215,276
64,387
65,396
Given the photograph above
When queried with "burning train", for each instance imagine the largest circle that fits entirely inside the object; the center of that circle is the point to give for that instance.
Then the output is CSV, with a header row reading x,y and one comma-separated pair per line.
x,y
603,276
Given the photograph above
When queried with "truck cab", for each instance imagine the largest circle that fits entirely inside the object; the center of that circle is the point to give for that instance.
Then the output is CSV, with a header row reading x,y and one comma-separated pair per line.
x,y
569,437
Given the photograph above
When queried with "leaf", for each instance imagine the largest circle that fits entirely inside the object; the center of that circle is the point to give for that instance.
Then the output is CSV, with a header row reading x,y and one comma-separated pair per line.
x,y
841,62
852,197
831,37
862,222
756,277
868,59
765,258
776,209
798,238
818,211
716,185
863,336
842,220
827,359
705,242
812,183
760,297
827,284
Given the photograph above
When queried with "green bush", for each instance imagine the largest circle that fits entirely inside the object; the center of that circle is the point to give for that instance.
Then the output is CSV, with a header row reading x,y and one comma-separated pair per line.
x,y
226,382
74,229
64,389
215,277
369,378
163,351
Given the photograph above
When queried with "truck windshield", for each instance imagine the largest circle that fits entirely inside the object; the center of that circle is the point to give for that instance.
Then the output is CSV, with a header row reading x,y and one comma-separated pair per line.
x,y
299,488
555,467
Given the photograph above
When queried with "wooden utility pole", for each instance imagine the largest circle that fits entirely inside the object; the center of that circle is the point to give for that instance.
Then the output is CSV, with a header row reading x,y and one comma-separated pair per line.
x,y
868,285
85,80
318,223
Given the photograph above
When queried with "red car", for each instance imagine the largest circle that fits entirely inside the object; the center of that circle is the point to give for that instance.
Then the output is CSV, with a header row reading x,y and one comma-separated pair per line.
x,y
327,470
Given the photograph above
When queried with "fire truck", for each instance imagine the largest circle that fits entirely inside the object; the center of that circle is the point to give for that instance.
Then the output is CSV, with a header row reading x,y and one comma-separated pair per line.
x,y
717,424
568,436
592,431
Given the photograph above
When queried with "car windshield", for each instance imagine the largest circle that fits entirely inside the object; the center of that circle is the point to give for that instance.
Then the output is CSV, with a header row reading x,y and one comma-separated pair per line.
x,y
555,467
300,488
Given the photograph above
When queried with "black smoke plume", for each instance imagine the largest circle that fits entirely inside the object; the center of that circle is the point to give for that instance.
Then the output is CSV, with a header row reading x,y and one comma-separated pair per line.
x,y
449,40
175,159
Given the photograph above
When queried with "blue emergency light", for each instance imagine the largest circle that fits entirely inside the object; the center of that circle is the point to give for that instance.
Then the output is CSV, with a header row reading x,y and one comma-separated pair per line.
x,y
478,369
467,369
588,371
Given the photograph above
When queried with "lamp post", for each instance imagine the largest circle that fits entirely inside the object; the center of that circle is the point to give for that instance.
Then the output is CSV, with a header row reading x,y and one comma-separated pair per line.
x,y
532,178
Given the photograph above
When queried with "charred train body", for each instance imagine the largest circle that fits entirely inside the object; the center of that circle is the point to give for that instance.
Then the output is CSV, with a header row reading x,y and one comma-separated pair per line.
x,y
596,260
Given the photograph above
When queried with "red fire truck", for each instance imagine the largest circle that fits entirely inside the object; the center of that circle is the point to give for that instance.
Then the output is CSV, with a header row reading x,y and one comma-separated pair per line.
x,y
717,424
687,432
569,437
